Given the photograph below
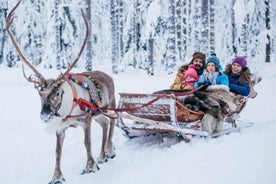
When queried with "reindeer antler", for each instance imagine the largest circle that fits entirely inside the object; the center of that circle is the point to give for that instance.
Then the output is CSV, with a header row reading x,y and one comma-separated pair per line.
x,y
9,22
82,47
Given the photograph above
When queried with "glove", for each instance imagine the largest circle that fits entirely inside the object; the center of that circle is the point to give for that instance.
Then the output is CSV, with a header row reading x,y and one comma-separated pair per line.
x,y
207,83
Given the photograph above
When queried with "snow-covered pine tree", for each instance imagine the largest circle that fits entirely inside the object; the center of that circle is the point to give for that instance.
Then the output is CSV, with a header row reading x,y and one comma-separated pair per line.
x,y
254,28
34,47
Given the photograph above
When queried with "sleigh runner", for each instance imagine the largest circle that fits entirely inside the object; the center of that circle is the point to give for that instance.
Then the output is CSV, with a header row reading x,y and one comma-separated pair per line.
x,y
147,114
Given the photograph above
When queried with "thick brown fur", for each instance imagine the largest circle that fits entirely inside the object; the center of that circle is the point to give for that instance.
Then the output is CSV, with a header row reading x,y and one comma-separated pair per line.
x,y
216,102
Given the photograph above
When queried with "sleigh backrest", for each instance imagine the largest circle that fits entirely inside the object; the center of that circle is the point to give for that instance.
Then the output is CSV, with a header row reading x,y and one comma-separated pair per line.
x,y
165,109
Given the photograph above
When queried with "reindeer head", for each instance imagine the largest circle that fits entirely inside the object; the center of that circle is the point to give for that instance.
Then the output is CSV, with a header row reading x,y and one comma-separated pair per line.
x,y
50,90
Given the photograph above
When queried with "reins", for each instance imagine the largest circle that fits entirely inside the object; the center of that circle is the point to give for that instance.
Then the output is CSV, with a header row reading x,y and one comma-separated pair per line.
x,y
159,96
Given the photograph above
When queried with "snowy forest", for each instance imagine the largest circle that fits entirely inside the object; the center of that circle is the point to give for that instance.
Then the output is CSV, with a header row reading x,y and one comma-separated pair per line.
x,y
140,34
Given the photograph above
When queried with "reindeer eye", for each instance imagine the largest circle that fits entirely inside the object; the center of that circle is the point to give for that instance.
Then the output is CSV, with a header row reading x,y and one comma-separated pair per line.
x,y
57,94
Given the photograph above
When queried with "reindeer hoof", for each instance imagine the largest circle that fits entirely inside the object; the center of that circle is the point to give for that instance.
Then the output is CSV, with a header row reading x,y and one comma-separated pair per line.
x,y
90,170
57,181
110,152
102,160
113,155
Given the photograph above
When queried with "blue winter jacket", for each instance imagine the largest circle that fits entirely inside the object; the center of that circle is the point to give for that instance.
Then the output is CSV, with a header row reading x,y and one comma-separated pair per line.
x,y
242,89
222,79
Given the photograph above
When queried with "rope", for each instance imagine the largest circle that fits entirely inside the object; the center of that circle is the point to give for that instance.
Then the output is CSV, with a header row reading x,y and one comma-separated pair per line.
x,y
134,108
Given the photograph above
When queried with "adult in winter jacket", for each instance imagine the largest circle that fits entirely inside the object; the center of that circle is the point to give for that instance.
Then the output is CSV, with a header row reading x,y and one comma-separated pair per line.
x,y
212,74
239,76
198,61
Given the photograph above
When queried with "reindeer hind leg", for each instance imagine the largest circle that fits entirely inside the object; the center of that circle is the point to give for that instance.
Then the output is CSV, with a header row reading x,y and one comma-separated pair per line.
x,y
103,122
109,146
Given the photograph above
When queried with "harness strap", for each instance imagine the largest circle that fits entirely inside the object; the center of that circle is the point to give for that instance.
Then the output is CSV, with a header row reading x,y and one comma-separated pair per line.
x,y
134,108
174,92
74,91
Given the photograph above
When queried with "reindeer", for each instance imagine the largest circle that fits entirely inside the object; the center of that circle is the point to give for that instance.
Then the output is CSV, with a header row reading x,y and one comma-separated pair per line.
x,y
60,99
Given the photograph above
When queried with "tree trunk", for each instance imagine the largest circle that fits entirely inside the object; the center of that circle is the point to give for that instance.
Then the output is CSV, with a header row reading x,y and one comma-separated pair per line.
x,y
3,31
267,25
179,27
151,57
184,30
58,35
234,29
136,32
120,29
212,26
114,53
244,35
171,50
205,23
89,50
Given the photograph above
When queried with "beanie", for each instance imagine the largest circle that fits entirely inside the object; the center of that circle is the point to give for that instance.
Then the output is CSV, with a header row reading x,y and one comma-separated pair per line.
x,y
241,61
214,59
191,72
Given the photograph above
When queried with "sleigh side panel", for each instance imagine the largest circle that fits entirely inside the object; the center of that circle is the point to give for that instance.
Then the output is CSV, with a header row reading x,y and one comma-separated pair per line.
x,y
163,109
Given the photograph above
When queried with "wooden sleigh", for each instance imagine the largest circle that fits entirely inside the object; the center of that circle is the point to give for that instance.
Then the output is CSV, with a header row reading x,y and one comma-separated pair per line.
x,y
151,113
147,114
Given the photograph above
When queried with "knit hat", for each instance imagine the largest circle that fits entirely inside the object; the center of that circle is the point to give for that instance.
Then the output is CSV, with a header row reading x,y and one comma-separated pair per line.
x,y
199,55
214,59
241,61
191,72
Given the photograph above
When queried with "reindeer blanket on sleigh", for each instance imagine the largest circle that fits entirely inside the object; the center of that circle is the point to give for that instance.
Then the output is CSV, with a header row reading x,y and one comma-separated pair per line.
x,y
216,102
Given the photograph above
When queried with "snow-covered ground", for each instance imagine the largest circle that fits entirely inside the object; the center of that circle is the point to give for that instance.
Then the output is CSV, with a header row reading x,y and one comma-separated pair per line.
x,y
27,152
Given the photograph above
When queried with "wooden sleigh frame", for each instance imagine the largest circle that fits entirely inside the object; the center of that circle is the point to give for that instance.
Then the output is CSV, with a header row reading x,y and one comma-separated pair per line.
x,y
166,114
152,113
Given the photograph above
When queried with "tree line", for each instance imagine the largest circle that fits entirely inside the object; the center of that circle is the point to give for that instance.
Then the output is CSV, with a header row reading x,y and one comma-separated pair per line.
x,y
141,34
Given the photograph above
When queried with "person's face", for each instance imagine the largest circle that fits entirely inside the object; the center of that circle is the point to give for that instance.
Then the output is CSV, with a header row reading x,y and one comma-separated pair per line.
x,y
211,67
236,68
198,63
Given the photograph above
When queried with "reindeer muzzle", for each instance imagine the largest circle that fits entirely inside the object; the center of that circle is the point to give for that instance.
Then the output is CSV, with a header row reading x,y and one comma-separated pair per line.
x,y
46,114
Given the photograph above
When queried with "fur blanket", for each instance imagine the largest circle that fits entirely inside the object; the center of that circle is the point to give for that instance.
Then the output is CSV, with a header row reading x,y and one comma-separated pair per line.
x,y
216,102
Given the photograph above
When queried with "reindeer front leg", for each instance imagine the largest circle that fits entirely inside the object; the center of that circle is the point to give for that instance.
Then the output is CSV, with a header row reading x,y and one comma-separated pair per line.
x,y
58,176
91,166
